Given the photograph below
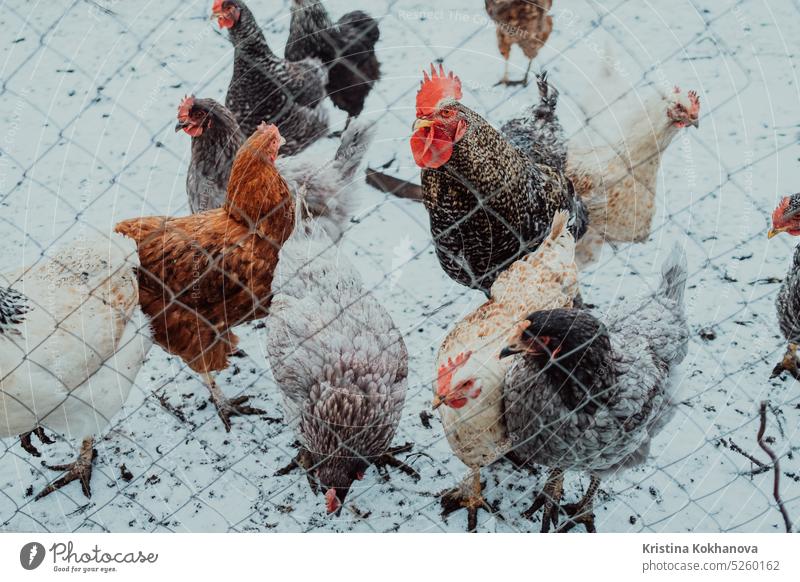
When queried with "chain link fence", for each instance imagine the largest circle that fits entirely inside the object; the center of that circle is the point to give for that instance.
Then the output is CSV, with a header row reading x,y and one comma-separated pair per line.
x,y
89,91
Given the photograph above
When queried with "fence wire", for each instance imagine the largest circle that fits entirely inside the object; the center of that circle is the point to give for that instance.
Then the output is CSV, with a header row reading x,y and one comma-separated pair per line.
x,y
89,91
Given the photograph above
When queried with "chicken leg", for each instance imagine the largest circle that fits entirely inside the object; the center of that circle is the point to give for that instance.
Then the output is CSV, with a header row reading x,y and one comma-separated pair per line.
x,y
301,461
509,83
788,363
549,500
80,469
583,511
388,459
462,498
228,407
25,441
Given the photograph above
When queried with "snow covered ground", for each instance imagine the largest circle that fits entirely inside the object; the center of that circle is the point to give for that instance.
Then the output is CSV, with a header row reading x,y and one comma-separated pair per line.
x,y
87,105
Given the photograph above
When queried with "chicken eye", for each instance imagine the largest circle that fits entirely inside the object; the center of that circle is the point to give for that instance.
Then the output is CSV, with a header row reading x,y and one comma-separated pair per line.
x,y
447,113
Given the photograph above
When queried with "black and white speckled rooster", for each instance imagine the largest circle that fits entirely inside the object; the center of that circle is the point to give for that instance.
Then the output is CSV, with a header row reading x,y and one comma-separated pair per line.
x,y
346,48
491,195
72,340
786,218
324,185
265,87
341,363
588,395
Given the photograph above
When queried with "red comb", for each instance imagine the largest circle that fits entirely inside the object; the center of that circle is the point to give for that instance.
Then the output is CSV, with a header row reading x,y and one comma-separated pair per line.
x,y
217,6
435,88
447,370
695,102
185,107
777,214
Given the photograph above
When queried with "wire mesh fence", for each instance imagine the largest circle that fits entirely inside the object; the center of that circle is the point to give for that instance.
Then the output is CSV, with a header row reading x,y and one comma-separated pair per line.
x,y
89,92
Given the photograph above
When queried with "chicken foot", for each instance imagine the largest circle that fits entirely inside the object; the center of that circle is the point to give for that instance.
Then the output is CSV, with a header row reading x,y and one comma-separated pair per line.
x,y
228,407
549,500
583,511
462,498
25,441
301,461
80,469
508,83
788,364
389,459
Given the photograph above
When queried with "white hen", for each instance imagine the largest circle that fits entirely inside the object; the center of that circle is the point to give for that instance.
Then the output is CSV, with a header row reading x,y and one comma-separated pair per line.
x,y
72,340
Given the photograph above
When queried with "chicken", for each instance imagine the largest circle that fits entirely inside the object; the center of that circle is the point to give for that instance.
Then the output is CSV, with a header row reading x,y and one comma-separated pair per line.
x,y
491,196
203,274
265,87
618,182
341,363
346,48
469,371
72,340
587,395
324,185
216,138
522,22
786,218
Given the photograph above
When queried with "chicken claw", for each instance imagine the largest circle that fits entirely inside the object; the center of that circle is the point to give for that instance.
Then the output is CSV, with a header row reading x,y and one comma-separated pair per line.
x,y
787,364
80,469
583,511
228,407
455,499
301,461
549,500
25,441
388,459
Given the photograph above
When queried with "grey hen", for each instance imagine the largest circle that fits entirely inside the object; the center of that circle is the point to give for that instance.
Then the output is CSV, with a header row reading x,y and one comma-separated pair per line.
x,y
341,363
786,218
265,87
323,184
588,395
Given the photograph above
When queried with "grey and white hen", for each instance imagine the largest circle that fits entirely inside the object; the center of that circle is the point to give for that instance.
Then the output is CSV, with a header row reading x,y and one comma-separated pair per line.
x,y
323,184
341,363
588,395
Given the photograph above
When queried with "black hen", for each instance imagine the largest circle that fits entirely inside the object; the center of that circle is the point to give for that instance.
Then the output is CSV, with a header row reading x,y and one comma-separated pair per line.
x,y
265,87
347,49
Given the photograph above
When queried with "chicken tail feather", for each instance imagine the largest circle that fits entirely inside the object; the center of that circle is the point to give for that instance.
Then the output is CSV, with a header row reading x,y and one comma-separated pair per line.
x,y
673,275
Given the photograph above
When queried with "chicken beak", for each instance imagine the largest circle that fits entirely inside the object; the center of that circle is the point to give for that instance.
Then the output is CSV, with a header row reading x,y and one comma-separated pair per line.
x,y
776,231
422,123
180,125
695,123
215,16
507,351
437,402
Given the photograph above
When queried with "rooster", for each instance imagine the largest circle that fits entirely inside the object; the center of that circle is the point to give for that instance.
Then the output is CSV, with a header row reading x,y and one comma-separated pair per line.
x,y
72,340
265,87
491,196
203,274
346,48
469,371
324,185
618,182
786,218
587,395
341,363
522,22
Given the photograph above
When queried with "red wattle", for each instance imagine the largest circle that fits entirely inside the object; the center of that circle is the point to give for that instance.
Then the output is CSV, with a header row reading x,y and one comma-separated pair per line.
x,y
431,147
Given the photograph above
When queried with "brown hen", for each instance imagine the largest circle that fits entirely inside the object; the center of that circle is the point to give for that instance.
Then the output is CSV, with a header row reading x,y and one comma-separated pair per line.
x,y
203,274
522,22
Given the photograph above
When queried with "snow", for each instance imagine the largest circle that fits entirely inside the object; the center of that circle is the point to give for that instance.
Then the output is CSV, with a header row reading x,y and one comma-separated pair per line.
x,y
86,139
